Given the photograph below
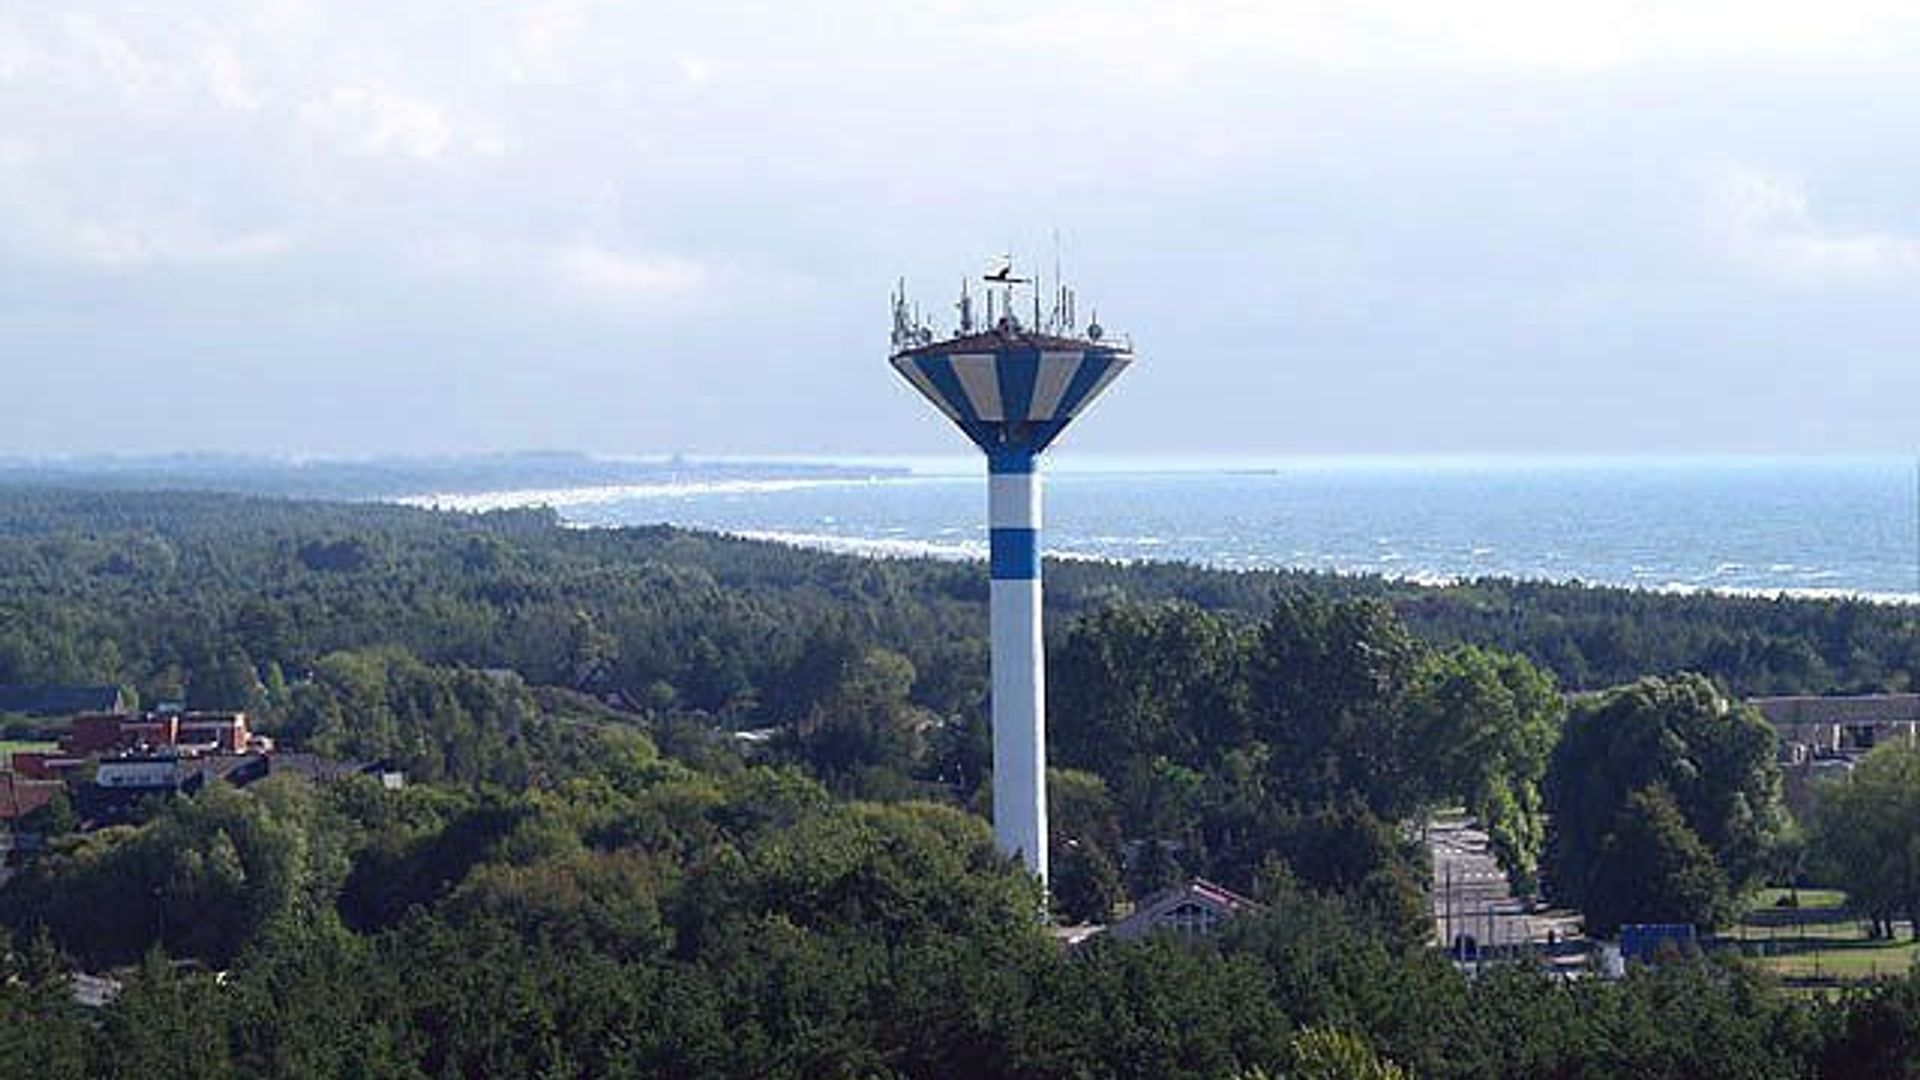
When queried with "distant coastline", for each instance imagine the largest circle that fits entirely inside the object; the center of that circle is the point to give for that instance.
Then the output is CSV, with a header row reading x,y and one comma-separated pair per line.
x,y
678,484
531,474
1805,528
1720,526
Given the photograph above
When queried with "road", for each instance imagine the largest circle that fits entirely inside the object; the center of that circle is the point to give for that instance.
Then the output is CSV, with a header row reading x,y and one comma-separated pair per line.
x,y
1471,895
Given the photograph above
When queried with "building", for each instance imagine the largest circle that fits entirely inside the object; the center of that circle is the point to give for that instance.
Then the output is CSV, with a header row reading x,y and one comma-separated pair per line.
x,y
122,781
42,702
1819,738
22,795
37,765
1195,909
1646,941
95,991
324,770
203,732
1820,727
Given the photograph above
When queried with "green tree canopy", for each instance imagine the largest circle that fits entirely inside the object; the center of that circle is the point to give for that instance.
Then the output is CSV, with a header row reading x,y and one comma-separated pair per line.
x,y
1711,757
1867,833
1326,696
1489,722
1653,868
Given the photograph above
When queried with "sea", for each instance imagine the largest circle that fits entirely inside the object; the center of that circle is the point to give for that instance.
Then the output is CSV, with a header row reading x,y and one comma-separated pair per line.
x,y
1822,527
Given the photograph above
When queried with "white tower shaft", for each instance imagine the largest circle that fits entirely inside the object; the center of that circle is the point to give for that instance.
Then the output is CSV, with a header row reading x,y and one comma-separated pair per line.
x,y
1019,667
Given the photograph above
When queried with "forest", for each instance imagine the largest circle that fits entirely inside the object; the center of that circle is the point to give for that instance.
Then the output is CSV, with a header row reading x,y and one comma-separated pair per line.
x,y
593,874
160,591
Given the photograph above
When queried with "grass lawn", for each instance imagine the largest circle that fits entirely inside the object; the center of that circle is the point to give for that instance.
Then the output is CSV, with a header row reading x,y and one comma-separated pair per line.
x,y
9,747
1838,926
1818,939
1766,899
1857,959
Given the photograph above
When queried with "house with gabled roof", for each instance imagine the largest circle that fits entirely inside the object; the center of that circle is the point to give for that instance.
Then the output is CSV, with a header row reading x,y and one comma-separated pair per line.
x,y
1195,909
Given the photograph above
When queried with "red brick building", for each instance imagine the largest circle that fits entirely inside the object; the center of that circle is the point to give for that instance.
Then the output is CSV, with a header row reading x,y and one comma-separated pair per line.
x,y
20,796
221,733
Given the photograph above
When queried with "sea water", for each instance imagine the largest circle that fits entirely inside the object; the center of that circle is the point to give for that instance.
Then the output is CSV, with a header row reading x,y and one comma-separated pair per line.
x,y
1831,526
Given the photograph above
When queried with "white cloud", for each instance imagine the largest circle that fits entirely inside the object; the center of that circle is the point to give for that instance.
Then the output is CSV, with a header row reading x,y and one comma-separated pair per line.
x,y
1608,33
94,42
1769,223
1583,36
487,143
621,275
580,271
752,172
226,76
543,46
17,56
125,243
16,152
378,123
696,72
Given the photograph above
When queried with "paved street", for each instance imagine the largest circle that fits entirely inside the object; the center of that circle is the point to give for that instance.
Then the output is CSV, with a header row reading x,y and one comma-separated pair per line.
x,y
1471,895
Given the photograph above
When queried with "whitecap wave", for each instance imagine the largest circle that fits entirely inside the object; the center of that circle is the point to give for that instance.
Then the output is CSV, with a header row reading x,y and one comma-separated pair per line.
x,y
888,547
976,551
1797,592
893,548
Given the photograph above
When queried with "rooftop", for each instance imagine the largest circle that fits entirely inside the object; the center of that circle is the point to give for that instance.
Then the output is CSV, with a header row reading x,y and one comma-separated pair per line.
x,y
1856,709
1011,337
39,700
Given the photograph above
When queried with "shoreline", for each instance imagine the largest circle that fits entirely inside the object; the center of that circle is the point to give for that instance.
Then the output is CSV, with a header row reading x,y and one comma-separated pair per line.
x,y
975,550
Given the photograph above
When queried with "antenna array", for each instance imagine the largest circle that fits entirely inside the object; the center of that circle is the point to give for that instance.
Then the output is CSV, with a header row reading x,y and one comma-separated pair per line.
x,y
1055,311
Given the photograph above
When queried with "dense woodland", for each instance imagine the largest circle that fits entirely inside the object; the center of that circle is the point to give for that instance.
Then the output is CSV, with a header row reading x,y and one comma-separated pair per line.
x,y
151,588
591,875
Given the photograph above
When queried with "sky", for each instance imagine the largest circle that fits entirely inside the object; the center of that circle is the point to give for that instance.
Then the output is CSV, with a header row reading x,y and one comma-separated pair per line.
x,y
1340,227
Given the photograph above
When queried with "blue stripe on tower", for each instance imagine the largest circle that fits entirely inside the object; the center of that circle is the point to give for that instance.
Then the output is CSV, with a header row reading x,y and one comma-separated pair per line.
x,y
1009,460
939,371
1094,365
1018,373
1041,435
1015,554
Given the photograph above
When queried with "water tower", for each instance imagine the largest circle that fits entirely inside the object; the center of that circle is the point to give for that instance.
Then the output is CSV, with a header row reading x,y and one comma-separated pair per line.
x,y
1012,386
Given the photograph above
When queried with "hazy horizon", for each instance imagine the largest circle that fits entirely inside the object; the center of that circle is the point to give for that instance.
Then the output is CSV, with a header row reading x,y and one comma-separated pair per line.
x,y
968,460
